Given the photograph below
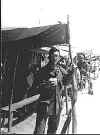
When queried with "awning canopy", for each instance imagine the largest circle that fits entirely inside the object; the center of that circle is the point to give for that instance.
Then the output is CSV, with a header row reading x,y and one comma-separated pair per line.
x,y
36,36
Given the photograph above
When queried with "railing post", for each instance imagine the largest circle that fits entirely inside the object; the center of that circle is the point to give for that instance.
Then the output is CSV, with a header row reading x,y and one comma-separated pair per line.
x,y
10,115
74,99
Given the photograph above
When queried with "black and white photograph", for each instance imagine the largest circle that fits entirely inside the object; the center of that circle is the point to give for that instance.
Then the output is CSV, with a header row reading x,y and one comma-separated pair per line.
x,y
50,67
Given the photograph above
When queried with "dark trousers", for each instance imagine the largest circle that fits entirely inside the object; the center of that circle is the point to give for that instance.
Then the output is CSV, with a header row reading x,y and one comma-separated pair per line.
x,y
53,120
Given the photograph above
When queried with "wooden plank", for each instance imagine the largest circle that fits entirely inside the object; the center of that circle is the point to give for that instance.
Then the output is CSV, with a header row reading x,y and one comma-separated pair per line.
x,y
22,103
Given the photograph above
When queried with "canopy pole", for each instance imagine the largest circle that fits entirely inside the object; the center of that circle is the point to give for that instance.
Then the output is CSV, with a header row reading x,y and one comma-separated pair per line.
x,y
0,97
10,117
74,122
1,80
68,39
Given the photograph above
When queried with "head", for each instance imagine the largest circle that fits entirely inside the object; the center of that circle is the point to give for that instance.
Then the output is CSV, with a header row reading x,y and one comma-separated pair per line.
x,y
54,55
81,57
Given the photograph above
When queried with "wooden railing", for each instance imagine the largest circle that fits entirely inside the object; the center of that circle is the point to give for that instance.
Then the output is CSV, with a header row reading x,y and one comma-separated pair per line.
x,y
14,107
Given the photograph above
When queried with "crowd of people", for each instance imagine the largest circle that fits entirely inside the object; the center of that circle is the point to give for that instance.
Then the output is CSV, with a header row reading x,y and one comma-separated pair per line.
x,y
85,70
51,81
59,73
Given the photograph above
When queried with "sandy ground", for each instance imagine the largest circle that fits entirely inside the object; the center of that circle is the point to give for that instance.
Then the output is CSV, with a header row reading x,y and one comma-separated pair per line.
x,y
26,127
88,111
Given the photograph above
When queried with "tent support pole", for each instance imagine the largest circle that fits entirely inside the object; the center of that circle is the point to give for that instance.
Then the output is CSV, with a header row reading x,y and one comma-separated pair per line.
x,y
74,122
10,117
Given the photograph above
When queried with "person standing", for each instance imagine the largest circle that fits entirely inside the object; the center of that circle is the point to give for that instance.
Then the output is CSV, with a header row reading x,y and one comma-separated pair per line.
x,y
49,82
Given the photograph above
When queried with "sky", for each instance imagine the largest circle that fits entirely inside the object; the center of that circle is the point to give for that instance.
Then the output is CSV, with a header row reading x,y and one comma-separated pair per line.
x,y
84,18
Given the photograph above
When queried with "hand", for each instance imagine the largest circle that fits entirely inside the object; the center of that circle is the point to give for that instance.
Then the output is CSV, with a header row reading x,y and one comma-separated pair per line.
x,y
53,81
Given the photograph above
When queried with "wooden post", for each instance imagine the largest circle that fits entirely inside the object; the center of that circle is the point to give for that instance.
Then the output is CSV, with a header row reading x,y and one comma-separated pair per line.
x,y
0,107
1,83
10,117
66,92
74,123
1,77
74,120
